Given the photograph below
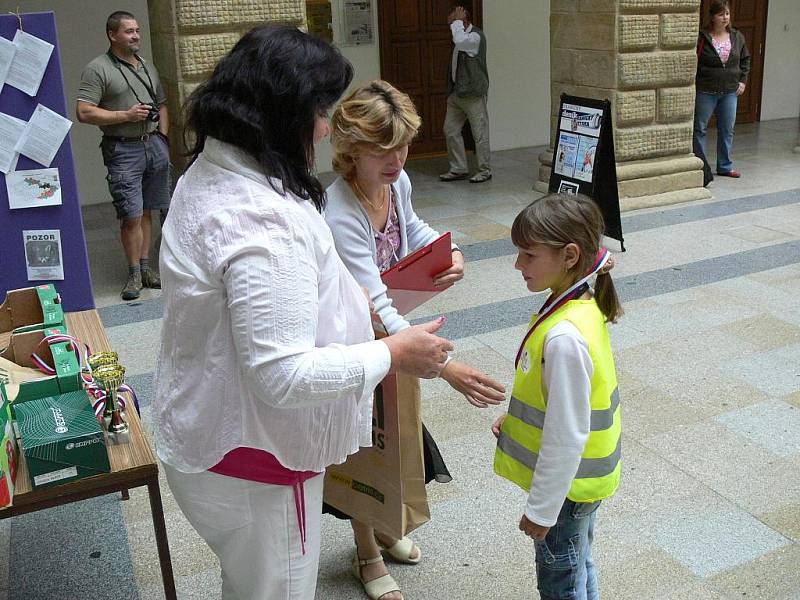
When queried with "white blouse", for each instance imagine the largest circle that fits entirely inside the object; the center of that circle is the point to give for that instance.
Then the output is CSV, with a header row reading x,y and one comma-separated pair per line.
x,y
267,341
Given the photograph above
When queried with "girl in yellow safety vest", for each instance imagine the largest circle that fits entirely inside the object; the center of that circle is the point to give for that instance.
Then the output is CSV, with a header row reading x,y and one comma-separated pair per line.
x,y
560,440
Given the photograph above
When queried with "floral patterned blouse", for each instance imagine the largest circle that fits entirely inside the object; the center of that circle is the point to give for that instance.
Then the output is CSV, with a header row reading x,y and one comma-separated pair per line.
x,y
723,48
387,242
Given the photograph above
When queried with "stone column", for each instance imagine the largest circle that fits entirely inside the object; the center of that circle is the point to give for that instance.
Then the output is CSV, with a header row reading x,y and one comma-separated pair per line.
x,y
189,37
640,55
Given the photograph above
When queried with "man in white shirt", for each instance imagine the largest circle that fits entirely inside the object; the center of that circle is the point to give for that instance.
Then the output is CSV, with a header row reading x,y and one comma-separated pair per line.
x,y
467,87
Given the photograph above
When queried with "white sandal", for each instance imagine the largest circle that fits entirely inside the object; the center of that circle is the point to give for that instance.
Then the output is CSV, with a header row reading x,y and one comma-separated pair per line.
x,y
401,550
375,588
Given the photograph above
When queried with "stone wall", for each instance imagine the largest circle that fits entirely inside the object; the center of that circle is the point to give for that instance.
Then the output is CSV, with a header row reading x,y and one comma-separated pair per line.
x,y
189,37
639,54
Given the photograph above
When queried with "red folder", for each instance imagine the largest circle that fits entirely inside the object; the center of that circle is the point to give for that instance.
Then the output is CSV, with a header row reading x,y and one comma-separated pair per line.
x,y
410,281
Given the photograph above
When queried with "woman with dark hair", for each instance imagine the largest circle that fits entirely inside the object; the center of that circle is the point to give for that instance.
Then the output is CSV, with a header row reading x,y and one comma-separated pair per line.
x,y
268,361
723,63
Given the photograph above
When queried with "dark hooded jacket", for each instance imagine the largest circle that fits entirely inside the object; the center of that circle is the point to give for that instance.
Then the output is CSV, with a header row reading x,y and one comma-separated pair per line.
x,y
714,77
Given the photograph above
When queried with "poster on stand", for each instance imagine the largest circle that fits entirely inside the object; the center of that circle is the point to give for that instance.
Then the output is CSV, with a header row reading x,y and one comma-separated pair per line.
x,y
33,189
566,154
584,120
43,135
584,167
584,160
11,129
29,63
7,51
43,254
357,27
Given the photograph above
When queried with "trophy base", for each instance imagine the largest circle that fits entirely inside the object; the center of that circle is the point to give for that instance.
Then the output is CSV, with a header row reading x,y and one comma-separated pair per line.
x,y
117,438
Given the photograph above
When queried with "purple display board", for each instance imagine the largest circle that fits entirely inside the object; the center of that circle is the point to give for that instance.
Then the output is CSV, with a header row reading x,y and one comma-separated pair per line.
x,y
76,288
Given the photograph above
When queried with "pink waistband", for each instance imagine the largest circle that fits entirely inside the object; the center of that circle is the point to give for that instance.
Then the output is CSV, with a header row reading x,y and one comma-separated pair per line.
x,y
261,466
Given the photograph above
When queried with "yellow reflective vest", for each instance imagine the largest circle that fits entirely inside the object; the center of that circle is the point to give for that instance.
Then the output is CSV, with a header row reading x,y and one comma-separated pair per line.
x,y
521,435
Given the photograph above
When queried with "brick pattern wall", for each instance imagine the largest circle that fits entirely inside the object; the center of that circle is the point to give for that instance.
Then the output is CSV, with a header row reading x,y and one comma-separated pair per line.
x,y
190,36
656,58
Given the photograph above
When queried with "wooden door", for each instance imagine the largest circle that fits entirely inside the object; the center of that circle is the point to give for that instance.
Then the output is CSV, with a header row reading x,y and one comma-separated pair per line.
x,y
749,17
415,49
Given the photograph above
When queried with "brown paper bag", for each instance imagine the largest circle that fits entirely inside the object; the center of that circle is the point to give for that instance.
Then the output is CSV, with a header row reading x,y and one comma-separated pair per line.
x,y
384,486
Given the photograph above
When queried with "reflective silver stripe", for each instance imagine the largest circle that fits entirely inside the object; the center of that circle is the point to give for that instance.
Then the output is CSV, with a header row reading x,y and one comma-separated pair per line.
x,y
604,419
601,419
588,467
526,413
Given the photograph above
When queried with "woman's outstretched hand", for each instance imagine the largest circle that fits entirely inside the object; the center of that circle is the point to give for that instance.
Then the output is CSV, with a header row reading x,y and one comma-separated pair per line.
x,y
417,351
454,273
479,389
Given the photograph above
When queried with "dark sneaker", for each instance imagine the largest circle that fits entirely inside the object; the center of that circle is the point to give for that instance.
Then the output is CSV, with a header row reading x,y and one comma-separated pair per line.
x,y
480,178
133,286
150,279
450,176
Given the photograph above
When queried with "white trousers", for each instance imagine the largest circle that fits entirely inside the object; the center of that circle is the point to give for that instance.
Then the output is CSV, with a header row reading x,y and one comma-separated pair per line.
x,y
459,111
252,528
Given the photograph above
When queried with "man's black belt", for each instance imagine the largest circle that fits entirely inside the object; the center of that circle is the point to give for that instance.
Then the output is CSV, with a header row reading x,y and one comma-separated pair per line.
x,y
142,138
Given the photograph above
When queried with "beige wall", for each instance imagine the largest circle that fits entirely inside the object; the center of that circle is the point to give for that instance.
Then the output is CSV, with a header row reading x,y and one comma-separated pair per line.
x,y
518,36
781,92
518,97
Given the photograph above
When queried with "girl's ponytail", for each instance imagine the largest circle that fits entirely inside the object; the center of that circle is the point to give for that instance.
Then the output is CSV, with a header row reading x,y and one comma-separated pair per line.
x,y
606,297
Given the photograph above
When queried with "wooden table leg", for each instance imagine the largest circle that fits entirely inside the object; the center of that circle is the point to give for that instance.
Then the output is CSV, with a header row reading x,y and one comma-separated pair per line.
x,y
125,495
162,543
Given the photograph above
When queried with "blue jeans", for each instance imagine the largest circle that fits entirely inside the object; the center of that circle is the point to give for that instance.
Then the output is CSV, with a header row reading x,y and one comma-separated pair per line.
x,y
724,106
564,566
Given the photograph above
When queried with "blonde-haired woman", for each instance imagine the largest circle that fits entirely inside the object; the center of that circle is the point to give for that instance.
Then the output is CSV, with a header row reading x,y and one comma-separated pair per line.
x,y
374,225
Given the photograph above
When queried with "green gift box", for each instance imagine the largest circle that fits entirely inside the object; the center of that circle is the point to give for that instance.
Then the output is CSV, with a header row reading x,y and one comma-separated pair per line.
x,y
28,309
61,439
61,356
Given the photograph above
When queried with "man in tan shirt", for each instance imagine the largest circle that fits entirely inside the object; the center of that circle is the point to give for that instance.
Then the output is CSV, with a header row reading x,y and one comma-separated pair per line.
x,y
123,95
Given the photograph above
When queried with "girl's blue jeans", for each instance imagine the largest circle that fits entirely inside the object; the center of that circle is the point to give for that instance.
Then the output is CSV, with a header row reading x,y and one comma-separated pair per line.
x,y
564,566
724,106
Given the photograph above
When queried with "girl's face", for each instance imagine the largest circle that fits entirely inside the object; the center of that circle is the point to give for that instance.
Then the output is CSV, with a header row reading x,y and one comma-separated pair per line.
x,y
322,128
382,167
721,20
547,268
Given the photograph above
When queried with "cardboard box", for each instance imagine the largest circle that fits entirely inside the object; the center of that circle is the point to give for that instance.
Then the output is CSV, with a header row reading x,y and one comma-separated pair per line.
x,y
61,439
20,386
8,456
28,309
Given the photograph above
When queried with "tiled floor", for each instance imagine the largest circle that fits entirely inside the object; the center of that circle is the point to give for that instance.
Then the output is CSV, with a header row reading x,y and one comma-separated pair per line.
x,y
707,356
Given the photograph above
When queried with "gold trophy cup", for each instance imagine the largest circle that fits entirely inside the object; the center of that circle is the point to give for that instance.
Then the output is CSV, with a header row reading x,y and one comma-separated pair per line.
x,y
101,359
110,377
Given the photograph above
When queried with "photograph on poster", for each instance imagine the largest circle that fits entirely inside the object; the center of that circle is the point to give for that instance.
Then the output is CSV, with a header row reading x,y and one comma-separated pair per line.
x,y
566,154
584,166
43,254
568,187
32,189
581,119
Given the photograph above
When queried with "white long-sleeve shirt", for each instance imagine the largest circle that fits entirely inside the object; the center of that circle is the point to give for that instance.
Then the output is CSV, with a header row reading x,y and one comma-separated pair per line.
x,y
267,340
566,374
464,40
